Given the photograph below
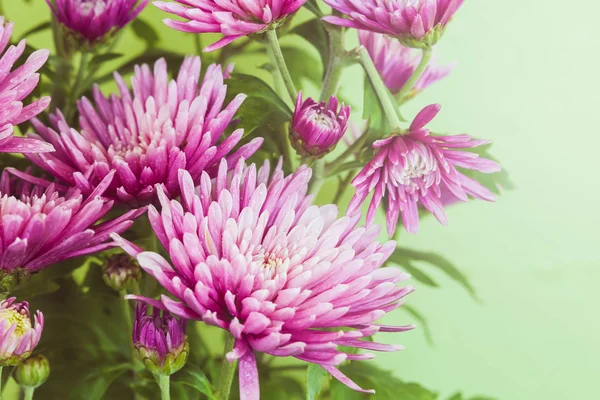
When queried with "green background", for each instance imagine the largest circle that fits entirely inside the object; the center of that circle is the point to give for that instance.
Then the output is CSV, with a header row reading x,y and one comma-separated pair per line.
x,y
527,78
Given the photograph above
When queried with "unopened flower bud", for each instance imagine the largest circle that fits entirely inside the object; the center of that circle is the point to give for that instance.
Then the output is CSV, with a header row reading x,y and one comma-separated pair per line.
x,y
160,340
33,372
121,272
317,127
18,336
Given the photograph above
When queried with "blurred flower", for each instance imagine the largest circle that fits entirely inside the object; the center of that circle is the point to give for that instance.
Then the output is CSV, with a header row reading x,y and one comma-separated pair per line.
x,y
18,337
92,20
160,340
148,136
121,271
33,372
252,256
417,23
396,63
41,227
232,18
15,86
317,127
416,168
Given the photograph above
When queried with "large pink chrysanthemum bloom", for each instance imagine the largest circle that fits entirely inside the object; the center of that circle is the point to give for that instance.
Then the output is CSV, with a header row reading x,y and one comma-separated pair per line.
x,y
146,136
92,20
417,23
396,63
232,18
18,336
14,87
41,227
252,256
414,169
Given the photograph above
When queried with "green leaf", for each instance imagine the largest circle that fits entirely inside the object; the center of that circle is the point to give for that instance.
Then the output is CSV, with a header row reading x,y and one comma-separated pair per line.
x,y
373,111
302,64
192,376
314,380
99,59
144,31
262,106
95,385
422,322
386,385
459,396
314,32
36,29
406,257
313,7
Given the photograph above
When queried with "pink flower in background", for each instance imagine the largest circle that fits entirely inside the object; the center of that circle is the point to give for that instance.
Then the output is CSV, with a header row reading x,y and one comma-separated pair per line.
x,y
317,127
251,255
146,136
18,336
415,169
396,63
413,21
232,18
92,20
41,227
15,86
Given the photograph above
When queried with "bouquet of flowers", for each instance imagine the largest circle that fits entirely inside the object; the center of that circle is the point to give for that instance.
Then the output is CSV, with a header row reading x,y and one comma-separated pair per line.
x,y
159,207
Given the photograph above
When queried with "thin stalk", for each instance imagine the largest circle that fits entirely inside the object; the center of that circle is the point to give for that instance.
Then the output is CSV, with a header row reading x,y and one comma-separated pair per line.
x,y
64,68
389,108
164,381
335,64
227,372
415,76
343,185
281,65
1,388
353,148
75,92
198,44
2,8
318,177
28,393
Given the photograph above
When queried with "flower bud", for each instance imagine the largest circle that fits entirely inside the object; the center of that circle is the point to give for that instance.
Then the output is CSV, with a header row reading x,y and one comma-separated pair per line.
x,y
33,372
121,272
317,127
18,337
160,340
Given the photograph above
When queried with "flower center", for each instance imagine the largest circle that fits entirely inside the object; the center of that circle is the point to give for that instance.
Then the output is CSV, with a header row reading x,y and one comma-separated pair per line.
x,y
323,120
417,169
87,6
269,262
20,318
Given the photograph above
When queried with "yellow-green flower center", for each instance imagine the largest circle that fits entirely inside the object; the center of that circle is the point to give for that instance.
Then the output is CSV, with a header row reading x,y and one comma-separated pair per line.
x,y
20,319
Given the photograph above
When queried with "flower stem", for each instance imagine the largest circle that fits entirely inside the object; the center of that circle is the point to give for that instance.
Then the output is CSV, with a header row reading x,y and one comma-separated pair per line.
x,y
335,64
29,393
354,147
227,372
318,177
426,56
76,88
164,381
1,367
389,108
343,185
280,63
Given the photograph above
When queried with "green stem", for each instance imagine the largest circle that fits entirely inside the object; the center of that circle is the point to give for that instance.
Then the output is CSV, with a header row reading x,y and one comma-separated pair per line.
x,y
415,76
2,8
76,89
29,393
343,185
280,63
389,108
1,388
354,147
335,64
318,177
227,372
164,381
198,44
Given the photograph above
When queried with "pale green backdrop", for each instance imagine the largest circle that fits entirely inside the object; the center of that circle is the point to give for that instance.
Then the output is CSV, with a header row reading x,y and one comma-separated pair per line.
x,y
527,78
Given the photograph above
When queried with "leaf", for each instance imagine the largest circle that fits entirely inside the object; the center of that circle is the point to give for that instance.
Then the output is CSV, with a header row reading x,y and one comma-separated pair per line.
x,y
314,380
95,385
313,7
404,257
314,32
262,106
459,396
144,31
303,65
386,385
38,28
192,376
99,59
421,320
373,111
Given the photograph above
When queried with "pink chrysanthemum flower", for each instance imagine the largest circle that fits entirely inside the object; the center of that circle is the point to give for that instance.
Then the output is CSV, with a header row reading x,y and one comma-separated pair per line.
x,y
414,169
396,63
18,336
41,227
146,136
418,23
318,127
252,256
232,18
14,87
92,20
